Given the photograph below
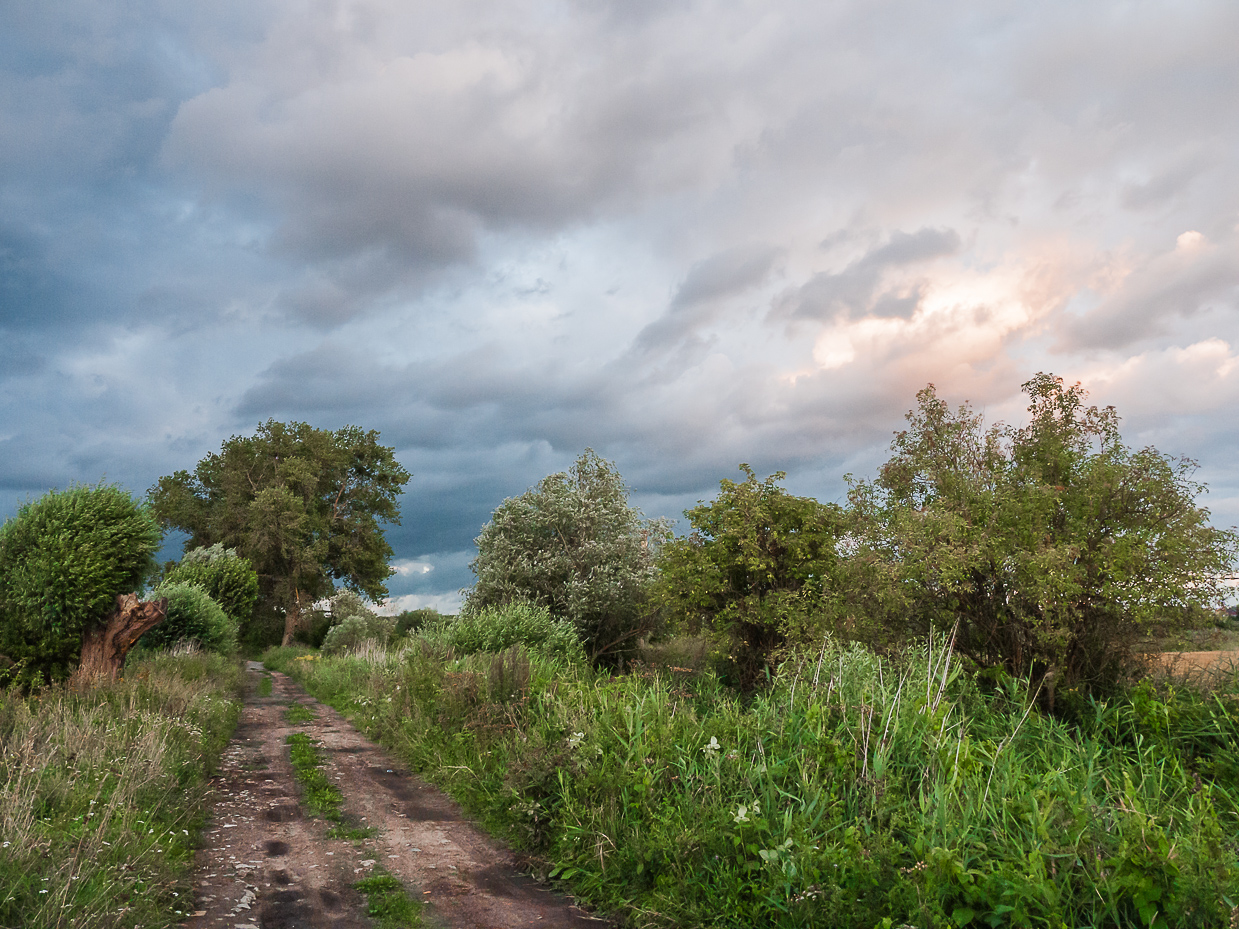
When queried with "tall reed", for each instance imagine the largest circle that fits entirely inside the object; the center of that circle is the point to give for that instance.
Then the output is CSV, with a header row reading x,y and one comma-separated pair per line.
x,y
858,791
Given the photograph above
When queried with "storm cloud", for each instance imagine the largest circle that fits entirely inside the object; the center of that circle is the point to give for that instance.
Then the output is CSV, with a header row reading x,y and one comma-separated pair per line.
x,y
684,234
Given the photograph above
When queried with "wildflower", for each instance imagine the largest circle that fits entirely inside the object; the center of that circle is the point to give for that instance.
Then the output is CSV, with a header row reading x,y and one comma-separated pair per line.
x,y
575,739
713,748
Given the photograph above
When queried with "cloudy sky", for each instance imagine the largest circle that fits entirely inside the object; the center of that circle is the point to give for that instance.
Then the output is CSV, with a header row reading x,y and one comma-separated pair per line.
x,y
686,234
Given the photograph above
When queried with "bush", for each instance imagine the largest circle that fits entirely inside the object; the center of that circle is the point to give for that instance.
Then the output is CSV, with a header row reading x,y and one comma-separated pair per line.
x,y
352,623
63,560
416,620
495,628
574,545
229,579
193,616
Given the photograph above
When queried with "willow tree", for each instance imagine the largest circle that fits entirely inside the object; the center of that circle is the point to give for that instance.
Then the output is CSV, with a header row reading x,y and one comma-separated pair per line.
x,y
304,505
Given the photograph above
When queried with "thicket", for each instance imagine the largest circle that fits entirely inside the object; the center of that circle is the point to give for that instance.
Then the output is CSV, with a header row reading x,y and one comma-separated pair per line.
x,y
227,578
63,560
497,628
193,618
1047,550
857,790
102,794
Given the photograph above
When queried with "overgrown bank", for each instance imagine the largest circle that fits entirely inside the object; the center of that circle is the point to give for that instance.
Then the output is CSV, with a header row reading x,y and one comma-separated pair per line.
x,y
857,791
101,794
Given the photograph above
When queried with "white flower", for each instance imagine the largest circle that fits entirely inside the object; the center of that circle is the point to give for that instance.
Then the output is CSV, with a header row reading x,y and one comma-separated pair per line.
x,y
713,748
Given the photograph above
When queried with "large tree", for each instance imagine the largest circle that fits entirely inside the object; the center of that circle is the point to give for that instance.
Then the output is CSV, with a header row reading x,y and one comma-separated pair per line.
x,y
1048,548
759,565
304,505
574,545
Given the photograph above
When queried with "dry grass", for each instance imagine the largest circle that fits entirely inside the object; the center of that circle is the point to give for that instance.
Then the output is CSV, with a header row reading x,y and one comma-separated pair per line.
x,y
100,793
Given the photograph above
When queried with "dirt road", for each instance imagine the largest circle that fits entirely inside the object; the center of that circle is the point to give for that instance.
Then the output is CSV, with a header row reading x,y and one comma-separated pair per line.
x,y
266,865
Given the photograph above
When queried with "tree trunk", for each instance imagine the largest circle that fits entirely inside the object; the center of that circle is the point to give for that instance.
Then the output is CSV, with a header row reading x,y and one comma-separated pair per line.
x,y
292,616
105,647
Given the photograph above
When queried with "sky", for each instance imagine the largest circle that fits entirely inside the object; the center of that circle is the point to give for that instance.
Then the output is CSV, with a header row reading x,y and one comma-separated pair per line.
x,y
684,234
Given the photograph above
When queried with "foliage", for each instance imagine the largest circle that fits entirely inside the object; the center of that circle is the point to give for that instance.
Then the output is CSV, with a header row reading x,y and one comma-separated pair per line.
x,y
302,504
496,628
353,623
229,579
102,794
388,903
857,791
63,560
1049,547
321,797
408,621
759,565
575,546
193,616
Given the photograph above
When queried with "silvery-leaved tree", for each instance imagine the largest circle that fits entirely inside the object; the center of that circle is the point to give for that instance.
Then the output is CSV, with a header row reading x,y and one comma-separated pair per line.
x,y
1048,548
574,545
304,505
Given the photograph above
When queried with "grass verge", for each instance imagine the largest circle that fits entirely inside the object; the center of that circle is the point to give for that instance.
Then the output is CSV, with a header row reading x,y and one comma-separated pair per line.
x,y
859,791
102,794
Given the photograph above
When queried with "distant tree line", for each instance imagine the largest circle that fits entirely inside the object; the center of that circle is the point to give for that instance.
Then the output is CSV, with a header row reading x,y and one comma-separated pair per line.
x,y
1043,550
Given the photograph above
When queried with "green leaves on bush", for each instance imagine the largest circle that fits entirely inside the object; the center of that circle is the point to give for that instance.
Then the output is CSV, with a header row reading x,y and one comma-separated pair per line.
x,y
229,579
1050,548
353,623
63,560
495,628
575,546
193,616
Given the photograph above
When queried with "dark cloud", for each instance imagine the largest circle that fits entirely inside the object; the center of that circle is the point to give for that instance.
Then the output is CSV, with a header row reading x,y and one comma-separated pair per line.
x,y
859,288
686,234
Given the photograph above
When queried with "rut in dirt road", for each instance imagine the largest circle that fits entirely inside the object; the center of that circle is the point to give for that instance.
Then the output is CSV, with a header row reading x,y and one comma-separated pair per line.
x,y
266,865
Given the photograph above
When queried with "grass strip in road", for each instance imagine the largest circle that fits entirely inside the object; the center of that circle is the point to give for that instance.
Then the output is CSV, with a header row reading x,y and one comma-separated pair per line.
x,y
298,714
264,686
322,798
388,903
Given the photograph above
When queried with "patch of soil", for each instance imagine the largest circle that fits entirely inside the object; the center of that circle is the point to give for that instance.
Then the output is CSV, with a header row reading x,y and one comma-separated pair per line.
x,y
264,864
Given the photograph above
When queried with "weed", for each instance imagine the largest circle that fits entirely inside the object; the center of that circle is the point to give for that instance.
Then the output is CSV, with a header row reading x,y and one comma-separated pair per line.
x,y
102,794
264,686
389,903
298,714
322,798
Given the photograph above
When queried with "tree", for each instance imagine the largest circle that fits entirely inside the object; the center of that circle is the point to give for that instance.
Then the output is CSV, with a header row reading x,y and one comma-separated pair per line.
x,y
575,546
65,559
758,565
225,576
1048,548
302,504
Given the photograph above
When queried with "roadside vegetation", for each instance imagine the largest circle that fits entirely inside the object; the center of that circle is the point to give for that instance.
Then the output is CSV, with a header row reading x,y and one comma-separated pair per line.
x,y
102,793
856,790
925,706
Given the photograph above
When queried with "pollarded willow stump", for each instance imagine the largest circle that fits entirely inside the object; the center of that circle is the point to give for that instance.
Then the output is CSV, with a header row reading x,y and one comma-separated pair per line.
x,y
105,647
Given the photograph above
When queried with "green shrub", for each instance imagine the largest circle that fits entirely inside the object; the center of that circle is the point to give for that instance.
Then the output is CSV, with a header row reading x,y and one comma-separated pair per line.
x,y
193,616
354,623
417,620
63,560
495,628
229,579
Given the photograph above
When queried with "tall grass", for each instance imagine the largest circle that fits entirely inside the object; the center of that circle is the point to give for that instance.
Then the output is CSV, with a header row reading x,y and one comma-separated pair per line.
x,y
858,791
101,794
